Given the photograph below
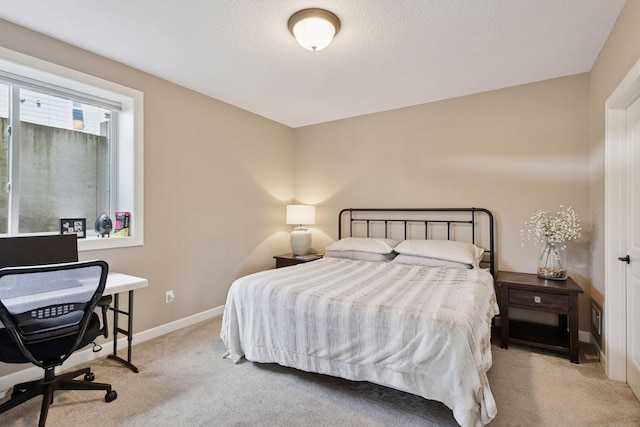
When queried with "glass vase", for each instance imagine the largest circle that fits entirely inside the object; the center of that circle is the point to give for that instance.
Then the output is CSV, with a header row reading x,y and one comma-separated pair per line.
x,y
552,263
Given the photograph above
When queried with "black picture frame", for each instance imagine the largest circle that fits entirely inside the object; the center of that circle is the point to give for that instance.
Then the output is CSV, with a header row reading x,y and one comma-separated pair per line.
x,y
77,226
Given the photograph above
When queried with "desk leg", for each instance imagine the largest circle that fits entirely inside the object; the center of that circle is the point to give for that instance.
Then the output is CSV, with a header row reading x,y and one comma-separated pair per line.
x,y
129,331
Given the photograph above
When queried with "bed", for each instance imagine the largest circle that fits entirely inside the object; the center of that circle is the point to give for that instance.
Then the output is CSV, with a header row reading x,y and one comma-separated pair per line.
x,y
404,298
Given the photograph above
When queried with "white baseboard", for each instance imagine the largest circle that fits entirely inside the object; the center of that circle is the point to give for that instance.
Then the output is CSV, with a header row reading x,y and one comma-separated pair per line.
x,y
86,355
175,325
602,357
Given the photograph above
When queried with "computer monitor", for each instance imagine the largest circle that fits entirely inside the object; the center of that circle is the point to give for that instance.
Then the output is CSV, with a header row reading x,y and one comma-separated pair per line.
x,y
36,250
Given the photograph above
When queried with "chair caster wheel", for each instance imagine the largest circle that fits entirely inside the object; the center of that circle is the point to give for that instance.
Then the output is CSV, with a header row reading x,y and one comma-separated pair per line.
x,y
89,376
111,396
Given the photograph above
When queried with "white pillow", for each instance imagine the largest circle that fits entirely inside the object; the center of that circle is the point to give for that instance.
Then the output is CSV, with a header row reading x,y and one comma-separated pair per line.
x,y
449,250
364,244
429,262
359,256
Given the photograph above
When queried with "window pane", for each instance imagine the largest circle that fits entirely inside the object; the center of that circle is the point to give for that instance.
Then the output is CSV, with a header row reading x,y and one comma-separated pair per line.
x,y
64,161
4,157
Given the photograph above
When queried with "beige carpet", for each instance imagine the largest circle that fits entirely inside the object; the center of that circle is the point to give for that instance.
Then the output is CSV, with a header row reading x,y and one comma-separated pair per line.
x,y
183,381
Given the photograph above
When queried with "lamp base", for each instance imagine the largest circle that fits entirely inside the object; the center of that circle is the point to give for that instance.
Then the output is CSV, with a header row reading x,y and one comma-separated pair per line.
x,y
300,241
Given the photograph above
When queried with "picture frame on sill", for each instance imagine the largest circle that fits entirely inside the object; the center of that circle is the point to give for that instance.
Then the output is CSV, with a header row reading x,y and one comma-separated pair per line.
x,y
77,226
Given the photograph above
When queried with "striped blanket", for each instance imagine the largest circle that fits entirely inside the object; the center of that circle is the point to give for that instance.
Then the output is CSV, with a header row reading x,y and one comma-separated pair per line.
x,y
422,330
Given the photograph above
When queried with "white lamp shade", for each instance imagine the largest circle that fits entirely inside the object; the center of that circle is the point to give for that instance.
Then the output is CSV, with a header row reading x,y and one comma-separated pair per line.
x,y
301,214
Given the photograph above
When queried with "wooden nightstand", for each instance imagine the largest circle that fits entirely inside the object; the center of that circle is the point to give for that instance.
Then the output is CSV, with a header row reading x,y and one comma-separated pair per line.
x,y
527,291
290,259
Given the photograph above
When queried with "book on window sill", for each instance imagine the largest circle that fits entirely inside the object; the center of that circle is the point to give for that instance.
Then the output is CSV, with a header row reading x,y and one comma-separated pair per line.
x,y
122,224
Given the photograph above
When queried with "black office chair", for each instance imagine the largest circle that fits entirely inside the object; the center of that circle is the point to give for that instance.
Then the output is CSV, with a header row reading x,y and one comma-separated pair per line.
x,y
48,313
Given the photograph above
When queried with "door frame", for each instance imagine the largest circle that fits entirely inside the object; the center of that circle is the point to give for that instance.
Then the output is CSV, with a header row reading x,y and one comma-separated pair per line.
x,y
615,312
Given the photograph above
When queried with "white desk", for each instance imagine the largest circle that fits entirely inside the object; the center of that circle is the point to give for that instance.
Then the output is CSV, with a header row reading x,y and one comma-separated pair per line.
x,y
116,284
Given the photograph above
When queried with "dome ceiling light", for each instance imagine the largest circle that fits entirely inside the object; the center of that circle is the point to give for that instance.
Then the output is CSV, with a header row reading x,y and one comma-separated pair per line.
x,y
314,28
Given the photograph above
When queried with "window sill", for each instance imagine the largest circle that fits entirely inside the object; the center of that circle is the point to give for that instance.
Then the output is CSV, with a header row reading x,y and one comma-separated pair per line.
x,y
98,243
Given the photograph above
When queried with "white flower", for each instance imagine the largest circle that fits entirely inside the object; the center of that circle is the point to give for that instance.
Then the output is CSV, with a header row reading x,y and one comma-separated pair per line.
x,y
543,228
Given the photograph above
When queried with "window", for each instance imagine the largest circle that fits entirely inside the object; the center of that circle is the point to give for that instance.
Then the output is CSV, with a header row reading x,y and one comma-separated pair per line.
x,y
71,147
58,164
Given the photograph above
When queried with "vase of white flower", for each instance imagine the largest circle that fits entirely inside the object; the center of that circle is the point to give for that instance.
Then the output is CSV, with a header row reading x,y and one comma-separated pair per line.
x,y
552,233
552,262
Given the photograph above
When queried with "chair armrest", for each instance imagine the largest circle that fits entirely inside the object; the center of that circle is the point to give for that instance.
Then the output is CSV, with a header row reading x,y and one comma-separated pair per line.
x,y
104,302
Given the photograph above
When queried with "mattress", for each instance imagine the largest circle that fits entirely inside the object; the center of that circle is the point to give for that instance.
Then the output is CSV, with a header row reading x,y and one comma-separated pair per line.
x,y
422,330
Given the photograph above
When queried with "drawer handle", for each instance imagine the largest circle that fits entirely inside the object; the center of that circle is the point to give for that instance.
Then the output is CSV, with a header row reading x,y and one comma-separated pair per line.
x,y
537,299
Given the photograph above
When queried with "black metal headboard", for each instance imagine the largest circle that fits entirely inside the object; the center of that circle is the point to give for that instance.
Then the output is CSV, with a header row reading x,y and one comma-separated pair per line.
x,y
472,225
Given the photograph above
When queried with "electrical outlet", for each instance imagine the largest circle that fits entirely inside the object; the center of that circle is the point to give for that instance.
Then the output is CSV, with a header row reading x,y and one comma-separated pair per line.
x,y
170,297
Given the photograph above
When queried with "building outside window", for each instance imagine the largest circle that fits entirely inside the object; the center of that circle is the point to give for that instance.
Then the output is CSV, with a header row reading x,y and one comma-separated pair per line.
x,y
62,160
67,150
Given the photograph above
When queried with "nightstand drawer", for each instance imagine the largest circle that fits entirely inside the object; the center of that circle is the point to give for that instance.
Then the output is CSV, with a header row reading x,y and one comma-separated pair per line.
x,y
287,260
556,303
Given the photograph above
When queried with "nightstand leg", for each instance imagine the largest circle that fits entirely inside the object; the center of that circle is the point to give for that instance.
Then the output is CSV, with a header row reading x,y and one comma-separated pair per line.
x,y
574,344
504,315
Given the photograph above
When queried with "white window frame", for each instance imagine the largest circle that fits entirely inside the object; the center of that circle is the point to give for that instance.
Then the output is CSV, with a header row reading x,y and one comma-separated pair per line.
x,y
129,152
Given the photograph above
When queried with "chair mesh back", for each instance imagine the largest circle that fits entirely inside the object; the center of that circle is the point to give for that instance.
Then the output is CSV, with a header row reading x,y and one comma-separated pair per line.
x,y
46,301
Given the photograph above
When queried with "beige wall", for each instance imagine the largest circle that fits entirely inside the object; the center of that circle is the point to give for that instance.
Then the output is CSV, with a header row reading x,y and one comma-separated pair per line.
x,y
215,180
619,54
512,151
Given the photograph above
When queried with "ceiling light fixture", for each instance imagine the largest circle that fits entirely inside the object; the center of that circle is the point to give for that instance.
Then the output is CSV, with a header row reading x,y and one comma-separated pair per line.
x,y
314,28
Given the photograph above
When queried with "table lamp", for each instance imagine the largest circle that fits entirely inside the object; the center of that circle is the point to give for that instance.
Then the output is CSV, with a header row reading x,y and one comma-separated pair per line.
x,y
300,236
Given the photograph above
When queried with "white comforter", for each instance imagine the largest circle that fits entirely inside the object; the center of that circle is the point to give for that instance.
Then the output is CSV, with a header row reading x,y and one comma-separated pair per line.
x,y
422,330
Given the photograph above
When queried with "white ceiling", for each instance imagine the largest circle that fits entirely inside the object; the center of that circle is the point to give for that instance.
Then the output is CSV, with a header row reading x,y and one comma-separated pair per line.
x,y
388,54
